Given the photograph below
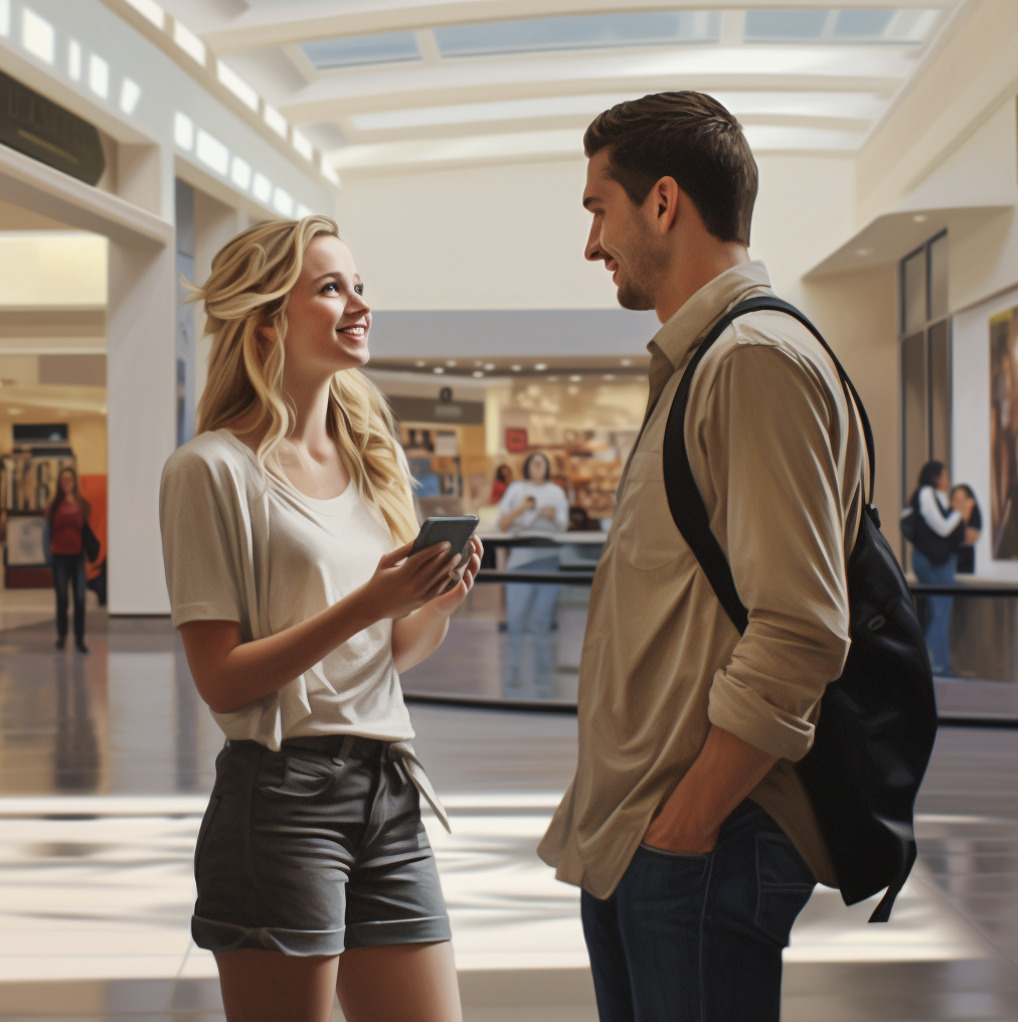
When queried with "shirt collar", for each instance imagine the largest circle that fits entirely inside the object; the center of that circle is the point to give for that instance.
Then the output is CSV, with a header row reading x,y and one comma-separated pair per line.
x,y
703,309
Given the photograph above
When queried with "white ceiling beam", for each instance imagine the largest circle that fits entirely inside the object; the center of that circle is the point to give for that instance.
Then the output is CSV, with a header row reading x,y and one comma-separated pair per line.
x,y
262,27
798,68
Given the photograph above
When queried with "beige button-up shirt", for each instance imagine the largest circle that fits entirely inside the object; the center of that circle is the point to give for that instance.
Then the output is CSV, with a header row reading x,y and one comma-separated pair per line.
x,y
779,460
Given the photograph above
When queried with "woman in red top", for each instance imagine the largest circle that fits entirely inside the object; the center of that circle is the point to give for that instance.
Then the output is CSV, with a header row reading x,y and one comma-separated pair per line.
x,y
67,513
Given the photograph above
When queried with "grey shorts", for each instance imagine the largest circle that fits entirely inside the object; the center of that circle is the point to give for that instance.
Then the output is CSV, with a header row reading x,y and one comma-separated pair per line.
x,y
313,849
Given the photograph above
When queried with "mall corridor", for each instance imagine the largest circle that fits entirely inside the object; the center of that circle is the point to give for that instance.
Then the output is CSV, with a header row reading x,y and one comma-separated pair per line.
x,y
105,765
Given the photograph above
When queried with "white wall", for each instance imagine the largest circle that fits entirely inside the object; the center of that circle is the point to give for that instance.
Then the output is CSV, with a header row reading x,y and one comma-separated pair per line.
x,y
513,237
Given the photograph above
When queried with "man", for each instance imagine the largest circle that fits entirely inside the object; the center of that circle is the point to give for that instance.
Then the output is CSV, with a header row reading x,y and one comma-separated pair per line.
x,y
686,824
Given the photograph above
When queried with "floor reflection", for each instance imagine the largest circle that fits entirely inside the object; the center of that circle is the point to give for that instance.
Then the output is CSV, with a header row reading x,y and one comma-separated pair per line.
x,y
105,760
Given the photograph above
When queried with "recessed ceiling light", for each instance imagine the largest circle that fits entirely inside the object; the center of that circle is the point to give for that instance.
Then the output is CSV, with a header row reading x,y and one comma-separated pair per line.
x,y
609,376
627,362
489,366
450,362
15,411
420,363
516,368
920,218
438,369
575,379
540,367
477,374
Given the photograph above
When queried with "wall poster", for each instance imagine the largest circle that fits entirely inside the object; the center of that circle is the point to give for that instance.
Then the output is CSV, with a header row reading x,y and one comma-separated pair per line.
x,y
1004,434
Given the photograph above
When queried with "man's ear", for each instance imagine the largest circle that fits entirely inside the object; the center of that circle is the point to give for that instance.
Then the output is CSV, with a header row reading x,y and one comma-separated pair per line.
x,y
667,197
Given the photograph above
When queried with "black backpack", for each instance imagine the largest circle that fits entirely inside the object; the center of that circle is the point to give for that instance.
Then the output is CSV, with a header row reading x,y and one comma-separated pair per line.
x,y
878,720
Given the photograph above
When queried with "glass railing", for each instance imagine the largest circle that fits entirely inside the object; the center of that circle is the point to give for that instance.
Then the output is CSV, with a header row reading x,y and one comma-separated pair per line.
x,y
516,640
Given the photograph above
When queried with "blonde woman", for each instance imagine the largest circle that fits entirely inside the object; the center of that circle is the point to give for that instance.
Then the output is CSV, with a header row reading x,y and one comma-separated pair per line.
x,y
286,525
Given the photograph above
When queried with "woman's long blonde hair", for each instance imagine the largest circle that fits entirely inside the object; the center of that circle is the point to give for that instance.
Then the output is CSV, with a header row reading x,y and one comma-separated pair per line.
x,y
251,279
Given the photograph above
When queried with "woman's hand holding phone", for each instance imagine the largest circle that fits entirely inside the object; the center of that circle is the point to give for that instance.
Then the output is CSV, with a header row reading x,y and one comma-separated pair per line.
x,y
402,583
447,602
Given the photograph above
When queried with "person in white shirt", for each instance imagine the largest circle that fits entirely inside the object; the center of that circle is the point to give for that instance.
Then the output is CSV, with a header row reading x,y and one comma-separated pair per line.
x,y
531,506
287,525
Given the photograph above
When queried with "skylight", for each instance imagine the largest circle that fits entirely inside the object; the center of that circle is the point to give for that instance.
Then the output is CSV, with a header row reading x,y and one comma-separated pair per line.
x,y
582,32
385,48
871,25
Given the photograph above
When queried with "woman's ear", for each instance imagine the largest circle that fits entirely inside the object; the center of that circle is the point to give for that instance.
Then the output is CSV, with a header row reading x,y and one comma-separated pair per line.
x,y
267,332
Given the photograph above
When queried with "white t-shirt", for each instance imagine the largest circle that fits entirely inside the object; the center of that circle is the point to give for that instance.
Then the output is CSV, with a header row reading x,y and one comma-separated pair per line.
x,y
241,545
546,494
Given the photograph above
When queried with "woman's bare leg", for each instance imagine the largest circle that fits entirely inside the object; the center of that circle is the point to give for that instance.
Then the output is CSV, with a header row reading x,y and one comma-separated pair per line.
x,y
399,983
268,986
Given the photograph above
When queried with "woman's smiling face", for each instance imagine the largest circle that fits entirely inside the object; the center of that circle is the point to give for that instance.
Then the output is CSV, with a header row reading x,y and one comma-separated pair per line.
x,y
327,319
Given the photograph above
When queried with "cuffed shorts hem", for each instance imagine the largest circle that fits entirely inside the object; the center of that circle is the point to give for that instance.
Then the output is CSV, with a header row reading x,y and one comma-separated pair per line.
x,y
425,930
220,937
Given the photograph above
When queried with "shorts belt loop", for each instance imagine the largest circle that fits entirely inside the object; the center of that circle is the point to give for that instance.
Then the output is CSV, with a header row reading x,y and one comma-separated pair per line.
x,y
346,749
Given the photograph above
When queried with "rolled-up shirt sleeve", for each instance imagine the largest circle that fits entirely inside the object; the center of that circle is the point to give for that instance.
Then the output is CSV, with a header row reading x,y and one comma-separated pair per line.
x,y
778,515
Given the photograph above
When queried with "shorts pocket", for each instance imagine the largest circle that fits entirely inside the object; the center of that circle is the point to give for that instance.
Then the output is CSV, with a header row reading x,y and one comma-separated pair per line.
x,y
295,774
784,885
203,830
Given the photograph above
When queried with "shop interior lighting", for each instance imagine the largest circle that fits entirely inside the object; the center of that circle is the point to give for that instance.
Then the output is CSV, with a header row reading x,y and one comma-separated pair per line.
x,y
626,362
420,363
130,93
516,368
302,211
183,131
477,374
450,362
262,188
151,10
240,173
232,81
38,37
212,152
5,18
609,376
920,218
98,76
575,379
438,369
489,366
540,367
74,60
328,173
189,42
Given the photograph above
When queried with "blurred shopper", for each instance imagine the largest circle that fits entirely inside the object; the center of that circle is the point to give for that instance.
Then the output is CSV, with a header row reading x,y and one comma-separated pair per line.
x,y
686,824
66,516
961,495
503,477
937,534
287,523
533,506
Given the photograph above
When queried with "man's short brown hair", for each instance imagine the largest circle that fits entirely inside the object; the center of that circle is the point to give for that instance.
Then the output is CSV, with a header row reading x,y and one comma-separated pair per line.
x,y
690,137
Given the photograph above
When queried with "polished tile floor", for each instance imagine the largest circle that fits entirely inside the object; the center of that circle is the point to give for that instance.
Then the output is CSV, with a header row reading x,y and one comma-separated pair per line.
x,y
105,760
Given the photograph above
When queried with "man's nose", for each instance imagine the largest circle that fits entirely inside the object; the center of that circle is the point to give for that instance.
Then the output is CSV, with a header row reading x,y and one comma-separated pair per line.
x,y
592,250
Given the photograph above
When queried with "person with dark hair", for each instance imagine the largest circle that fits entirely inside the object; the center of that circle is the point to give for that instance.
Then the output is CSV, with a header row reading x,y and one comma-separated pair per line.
x,y
503,477
66,516
533,505
686,824
938,532
963,496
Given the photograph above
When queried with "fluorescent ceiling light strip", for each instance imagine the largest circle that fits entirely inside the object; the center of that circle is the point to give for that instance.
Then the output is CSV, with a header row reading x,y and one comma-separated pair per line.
x,y
98,76
74,60
275,120
232,81
37,36
5,18
302,144
189,42
151,10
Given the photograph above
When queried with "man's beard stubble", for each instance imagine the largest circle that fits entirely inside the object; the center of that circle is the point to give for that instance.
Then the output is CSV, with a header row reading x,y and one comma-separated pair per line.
x,y
633,297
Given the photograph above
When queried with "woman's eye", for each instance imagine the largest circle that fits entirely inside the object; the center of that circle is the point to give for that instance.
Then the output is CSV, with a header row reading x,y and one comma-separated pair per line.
x,y
331,285
359,288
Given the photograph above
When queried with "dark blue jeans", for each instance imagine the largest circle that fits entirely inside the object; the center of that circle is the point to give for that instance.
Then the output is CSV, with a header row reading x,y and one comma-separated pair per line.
x,y
69,569
698,938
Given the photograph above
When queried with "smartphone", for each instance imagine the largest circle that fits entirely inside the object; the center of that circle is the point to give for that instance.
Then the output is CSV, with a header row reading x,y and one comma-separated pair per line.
x,y
454,529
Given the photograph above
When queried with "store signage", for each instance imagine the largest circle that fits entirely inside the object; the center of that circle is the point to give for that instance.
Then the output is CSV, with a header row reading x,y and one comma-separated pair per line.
x,y
38,127
516,441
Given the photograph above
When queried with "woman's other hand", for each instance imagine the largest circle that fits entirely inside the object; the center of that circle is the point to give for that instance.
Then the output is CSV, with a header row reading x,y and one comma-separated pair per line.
x,y
403,583
447,602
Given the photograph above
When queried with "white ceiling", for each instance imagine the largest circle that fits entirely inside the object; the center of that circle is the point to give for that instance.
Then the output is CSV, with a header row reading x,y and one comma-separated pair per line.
x,y
428,83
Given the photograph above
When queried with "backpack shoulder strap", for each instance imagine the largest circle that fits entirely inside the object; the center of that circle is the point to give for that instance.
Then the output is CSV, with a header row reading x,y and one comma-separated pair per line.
x,y
684,500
